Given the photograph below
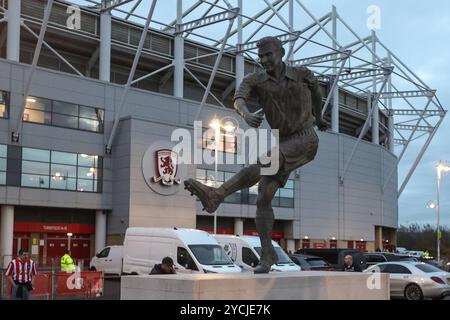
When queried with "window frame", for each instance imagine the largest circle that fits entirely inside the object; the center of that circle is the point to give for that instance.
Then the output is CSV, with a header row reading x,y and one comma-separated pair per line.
x,y
96,180
52,112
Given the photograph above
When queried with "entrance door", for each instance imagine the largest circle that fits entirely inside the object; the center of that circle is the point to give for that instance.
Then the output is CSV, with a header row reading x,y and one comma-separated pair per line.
x,y
81,249
56,248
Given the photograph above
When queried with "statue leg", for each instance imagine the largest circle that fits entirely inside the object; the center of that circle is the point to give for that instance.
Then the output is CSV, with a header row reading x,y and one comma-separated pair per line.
x,y
211,197
264,222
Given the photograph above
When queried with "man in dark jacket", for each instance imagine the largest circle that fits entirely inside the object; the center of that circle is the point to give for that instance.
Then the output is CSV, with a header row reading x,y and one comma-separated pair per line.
x,y
348,264
166,267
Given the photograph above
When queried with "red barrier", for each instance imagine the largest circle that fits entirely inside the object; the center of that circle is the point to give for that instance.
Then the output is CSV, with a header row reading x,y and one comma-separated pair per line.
x,y
42,285
83,283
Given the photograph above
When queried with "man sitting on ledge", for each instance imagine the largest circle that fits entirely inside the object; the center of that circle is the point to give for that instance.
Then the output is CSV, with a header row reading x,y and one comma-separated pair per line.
x,y
166,267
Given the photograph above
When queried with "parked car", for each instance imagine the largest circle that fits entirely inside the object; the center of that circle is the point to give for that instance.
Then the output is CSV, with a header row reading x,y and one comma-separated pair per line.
x,y
108,260
311,263
246,251
335,257
373,258
193,251
433,262
414,281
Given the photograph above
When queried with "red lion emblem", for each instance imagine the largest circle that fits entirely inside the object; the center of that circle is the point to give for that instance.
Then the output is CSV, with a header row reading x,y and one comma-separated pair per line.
x,y
166,163
166,167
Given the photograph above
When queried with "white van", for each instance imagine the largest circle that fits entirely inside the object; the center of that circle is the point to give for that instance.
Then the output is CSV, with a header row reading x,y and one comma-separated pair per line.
x,y
246,251
108,260
191,250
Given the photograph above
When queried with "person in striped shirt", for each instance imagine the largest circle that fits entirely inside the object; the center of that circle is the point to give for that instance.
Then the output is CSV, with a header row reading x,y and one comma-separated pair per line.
x,y
21,272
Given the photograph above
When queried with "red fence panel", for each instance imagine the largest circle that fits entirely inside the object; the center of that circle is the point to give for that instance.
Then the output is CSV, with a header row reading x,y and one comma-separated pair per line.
x,y
42,285
79,283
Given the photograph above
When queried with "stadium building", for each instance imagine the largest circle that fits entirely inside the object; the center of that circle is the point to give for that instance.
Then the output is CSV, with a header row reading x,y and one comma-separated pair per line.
x,y
81,124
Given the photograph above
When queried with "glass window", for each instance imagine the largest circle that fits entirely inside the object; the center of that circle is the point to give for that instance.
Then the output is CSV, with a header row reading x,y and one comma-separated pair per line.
x,y
36,181
64,158
201,175
39,168
427,268
63,183
63,114
3,150
184,259
89,124
41,104
104,253
36,116
4,103
87,160
86,185
396,268
249,258
3,163
61,173
210,254
64,121
91,113
36,154
65,108
2,177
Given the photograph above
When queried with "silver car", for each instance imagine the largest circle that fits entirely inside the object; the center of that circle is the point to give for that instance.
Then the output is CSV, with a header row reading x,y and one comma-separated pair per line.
x,y
415,280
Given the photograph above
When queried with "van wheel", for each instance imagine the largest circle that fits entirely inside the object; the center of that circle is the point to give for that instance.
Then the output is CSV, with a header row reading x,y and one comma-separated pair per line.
x,y
134,274
413,292
92,269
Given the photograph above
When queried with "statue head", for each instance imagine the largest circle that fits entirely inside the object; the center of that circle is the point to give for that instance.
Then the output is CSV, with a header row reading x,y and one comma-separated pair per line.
x,y
270,53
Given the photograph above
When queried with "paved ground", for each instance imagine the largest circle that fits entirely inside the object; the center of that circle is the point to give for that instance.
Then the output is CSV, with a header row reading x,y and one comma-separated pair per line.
x,y
111,289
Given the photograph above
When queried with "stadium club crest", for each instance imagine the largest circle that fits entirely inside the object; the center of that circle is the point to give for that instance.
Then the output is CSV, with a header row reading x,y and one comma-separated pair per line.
x,y
166,167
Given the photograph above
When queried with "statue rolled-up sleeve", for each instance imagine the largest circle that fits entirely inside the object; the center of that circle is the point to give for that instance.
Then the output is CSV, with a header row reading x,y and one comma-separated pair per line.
x,y
311,80
246,88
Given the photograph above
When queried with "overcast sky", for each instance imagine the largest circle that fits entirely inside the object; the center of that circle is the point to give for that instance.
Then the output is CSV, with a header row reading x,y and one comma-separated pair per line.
x,y
418,32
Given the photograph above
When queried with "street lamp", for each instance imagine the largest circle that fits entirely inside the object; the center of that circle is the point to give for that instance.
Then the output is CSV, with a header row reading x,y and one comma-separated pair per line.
x,y
217,126
441,167
69,236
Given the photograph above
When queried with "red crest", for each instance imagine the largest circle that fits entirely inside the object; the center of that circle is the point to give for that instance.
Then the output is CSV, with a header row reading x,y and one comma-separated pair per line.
x,y
166,167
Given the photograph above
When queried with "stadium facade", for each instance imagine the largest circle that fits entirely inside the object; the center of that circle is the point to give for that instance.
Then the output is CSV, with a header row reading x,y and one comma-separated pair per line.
x,y
75,135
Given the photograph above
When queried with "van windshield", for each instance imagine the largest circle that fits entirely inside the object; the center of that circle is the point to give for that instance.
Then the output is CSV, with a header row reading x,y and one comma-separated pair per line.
x,y
210,254
282,256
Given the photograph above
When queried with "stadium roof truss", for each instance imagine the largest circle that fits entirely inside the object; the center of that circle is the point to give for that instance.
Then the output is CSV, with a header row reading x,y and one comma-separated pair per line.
x,y
327,45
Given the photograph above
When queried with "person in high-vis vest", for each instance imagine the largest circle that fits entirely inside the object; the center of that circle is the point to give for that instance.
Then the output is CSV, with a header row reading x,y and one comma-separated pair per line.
x,y
67,263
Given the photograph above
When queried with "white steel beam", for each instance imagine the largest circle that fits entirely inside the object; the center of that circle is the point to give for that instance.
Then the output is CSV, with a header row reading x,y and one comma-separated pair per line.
x,y
178,61
240,60
414,127
419,158
53,50
105,46
15,135
133,9
408,94
13,38
364,129
203,17
216,65
108,5
253,19
336,74
206,21
375,112
323,58
130,79
408,112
